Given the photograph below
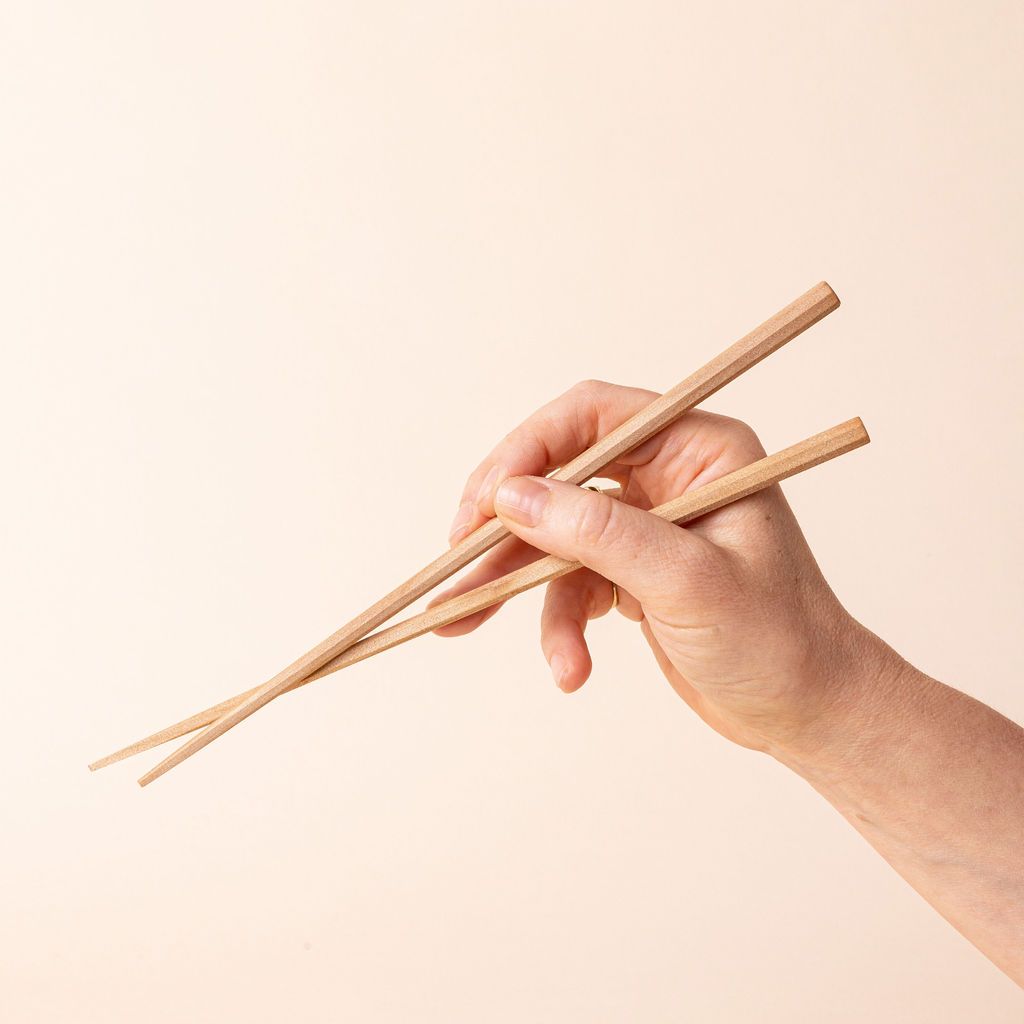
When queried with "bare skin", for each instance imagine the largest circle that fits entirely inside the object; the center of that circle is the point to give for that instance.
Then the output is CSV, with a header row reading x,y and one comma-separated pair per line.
x,y
749,634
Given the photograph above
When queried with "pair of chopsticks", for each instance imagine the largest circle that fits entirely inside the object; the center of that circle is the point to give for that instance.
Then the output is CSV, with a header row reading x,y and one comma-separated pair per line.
x,y
351,643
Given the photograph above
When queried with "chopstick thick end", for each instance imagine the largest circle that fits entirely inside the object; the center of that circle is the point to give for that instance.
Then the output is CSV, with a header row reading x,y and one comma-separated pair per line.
x,y
855,432
832,300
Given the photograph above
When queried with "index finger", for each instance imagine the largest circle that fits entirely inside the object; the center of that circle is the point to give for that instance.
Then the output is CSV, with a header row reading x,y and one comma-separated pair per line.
x,y
553,435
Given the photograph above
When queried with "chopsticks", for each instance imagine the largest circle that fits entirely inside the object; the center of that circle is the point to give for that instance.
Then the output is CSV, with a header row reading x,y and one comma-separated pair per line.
x,y
795,318
813,451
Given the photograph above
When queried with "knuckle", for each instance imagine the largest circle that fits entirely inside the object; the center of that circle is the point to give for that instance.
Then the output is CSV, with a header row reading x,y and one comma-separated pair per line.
x,y
598,522
588,386
525,445
590,392
744,437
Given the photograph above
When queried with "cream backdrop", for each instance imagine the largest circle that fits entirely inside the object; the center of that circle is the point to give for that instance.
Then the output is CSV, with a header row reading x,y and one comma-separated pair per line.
x,y
275,276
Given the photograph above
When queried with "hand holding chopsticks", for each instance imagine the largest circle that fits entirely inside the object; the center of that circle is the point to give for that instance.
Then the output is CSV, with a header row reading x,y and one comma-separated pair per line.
x,y
343,647
743,482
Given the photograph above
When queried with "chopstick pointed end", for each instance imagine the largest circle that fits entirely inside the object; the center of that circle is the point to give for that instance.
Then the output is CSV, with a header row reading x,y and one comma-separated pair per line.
x,y
118,755
154,773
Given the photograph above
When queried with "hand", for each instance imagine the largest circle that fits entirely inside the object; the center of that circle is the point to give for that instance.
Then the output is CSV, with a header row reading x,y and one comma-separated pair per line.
x,y
734,607
749,634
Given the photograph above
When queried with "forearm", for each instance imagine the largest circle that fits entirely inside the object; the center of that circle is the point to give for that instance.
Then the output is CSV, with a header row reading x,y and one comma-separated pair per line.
x,y
934,780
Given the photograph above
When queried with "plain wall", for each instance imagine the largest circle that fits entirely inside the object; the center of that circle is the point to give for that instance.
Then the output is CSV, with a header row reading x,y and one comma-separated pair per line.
x,y
275,277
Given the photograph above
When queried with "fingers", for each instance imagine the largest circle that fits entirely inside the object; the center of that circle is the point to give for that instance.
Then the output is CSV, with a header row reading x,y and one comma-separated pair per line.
x,y
629,607
569,604
696,449
642,553
549,438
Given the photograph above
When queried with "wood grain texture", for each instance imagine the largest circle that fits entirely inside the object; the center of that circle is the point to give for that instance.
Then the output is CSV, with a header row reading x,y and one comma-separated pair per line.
x,y
771,470
795,318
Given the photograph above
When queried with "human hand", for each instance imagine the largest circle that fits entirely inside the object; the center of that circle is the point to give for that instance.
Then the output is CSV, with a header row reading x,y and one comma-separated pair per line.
x,y
734,607
748,633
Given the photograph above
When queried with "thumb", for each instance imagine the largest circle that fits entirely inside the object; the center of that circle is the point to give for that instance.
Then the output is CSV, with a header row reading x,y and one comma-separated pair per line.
x,y
643,553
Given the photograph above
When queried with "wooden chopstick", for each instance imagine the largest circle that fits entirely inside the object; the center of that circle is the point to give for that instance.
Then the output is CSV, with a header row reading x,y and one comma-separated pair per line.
x,y
805,311
738,484
203,718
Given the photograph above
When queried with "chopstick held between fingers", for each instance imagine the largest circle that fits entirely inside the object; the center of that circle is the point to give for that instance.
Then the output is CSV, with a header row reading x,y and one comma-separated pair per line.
x,y
749,350
738,484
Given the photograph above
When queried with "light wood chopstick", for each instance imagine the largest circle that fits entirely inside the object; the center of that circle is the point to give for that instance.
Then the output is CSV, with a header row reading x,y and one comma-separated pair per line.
x,y
211,714
805,311
761,474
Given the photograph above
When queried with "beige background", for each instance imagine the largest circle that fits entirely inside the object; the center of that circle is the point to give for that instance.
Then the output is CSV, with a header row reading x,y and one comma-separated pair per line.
x,y
274,273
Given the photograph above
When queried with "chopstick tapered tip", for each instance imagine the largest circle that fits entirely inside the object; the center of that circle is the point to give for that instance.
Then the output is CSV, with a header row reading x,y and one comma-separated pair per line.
x,y
109,759
120,755
169,762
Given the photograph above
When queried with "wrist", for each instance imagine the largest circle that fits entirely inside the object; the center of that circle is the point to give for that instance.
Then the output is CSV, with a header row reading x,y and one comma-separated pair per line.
x,y
860,689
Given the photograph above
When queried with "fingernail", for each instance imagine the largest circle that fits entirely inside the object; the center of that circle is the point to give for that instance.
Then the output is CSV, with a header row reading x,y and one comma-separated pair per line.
x,y
522,499
484,490
559,669
460,524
